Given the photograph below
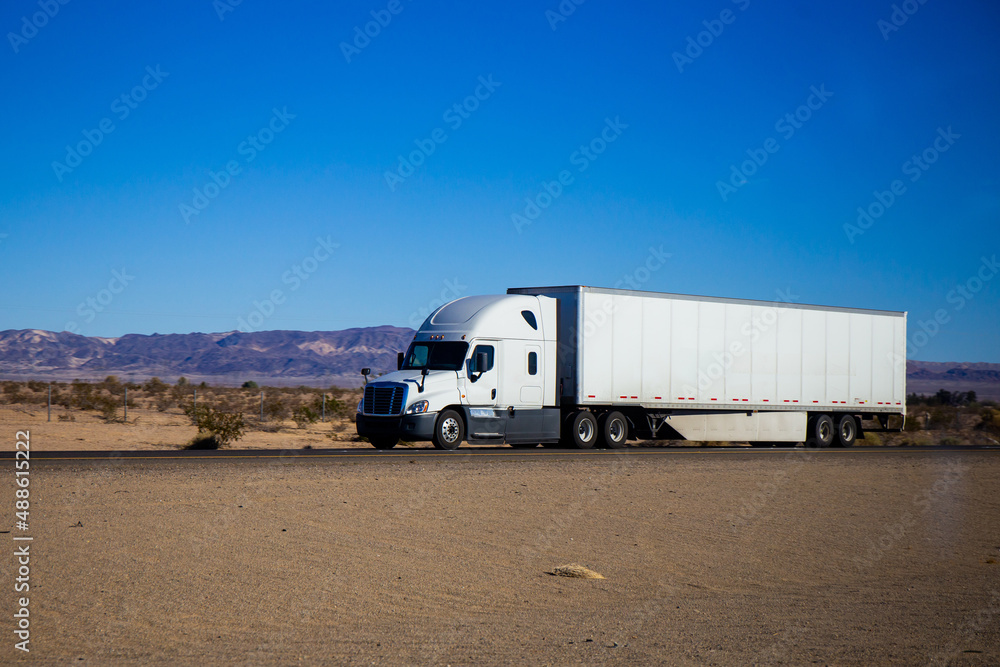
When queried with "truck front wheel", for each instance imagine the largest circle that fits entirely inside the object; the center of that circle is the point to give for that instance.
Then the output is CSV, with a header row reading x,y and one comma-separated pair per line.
x,y
614,430
449,431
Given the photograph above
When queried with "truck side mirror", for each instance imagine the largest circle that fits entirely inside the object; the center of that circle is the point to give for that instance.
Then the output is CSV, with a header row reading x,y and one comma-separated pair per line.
x,y
481,363
399,360
366,372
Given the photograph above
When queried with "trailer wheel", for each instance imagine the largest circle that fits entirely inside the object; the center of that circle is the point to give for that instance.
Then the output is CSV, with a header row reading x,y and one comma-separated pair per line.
x,y
385,442
614,430
820,431
847,431
582,432
449,431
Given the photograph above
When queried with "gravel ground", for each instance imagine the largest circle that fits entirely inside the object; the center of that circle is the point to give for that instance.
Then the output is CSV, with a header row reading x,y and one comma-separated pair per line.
x,y
772,558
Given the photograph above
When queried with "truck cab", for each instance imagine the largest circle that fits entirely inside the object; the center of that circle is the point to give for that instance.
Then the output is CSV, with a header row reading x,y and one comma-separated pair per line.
x,y
480,368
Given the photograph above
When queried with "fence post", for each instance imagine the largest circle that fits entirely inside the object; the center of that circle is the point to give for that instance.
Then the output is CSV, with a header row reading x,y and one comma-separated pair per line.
x,y
196,403
125,419
262,406
50,401
323,419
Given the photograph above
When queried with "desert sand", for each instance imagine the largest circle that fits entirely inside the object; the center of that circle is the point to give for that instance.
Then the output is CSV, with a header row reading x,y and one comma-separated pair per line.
x,y
718,559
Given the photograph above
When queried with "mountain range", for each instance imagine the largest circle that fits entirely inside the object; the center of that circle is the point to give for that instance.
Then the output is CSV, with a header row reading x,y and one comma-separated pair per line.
x,y
283,358
289,358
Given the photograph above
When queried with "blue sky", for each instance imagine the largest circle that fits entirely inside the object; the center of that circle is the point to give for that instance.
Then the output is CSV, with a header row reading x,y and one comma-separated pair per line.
x,y
667,125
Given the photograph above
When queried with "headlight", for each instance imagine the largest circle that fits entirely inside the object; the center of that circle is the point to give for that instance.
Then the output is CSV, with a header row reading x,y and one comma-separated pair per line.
x,y
417,408
361,404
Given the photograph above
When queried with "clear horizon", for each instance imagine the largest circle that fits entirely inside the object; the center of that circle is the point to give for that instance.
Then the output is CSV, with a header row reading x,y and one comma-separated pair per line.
x,y
191,167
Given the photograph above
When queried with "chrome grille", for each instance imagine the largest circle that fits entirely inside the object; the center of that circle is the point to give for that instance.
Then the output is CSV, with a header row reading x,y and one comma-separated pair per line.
x,y
383,400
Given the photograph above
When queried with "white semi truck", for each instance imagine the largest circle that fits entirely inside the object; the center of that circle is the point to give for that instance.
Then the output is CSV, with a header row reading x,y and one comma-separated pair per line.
x,y
591,367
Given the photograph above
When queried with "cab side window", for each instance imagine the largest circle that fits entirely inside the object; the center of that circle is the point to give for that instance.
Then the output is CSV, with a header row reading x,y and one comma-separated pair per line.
x,y
532,363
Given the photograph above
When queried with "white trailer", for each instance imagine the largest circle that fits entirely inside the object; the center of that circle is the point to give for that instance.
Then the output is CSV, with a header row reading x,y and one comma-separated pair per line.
x,y
583,367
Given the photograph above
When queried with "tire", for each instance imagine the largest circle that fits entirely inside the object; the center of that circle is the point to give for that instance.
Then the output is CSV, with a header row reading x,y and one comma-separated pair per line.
x,y
582,431
821,431
847,431
383,442
449,430
613,429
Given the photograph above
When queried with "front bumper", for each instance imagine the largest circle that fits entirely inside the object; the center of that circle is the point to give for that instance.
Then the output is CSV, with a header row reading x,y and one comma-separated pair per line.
x,y
408,427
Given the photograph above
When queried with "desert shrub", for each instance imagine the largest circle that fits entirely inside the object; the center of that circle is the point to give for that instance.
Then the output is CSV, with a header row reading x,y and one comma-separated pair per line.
x,y
873,439
67,418
942,417
951,442
304,415
250,384
275,408
83,395
37,385
225,427
334,407
203,441
180,393
13,393
60,397
155,386
107,406
989,420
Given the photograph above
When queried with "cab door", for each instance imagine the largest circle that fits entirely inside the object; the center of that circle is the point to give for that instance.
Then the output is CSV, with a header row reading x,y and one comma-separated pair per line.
x,y
487,422
483,388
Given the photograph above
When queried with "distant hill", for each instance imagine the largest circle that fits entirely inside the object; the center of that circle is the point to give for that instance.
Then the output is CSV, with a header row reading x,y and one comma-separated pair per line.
x,y
315,358
318,358
926,377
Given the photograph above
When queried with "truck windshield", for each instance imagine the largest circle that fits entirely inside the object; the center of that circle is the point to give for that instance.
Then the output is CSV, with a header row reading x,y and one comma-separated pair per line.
x,y
436,356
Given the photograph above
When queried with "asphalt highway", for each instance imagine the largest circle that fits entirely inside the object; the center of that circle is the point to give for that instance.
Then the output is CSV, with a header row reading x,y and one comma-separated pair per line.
x,y
472,453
